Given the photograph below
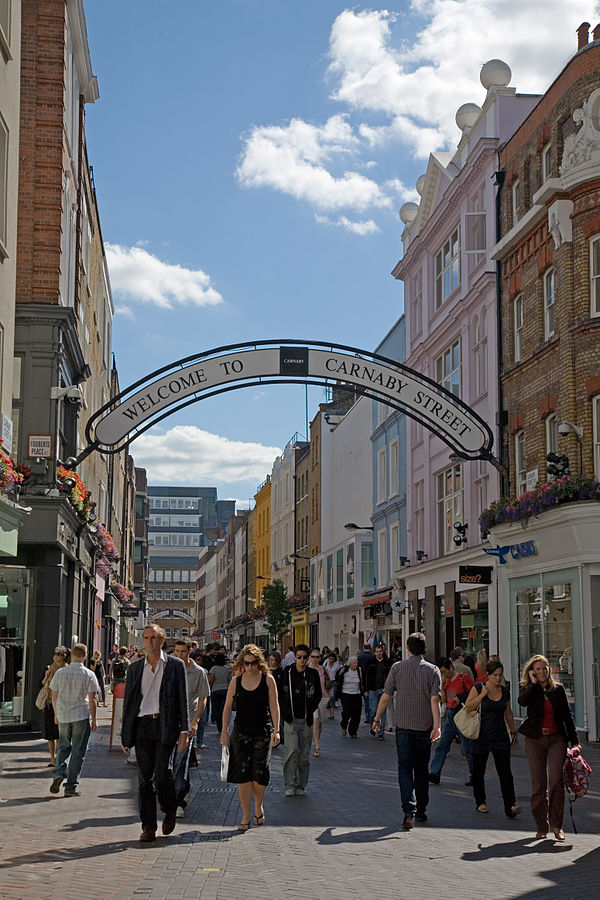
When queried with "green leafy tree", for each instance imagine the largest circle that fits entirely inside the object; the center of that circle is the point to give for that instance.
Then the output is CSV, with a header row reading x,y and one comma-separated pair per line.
x,y
278,614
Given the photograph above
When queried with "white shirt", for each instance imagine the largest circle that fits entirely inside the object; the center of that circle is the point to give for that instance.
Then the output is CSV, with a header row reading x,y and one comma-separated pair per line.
x,y
151,682
351,682
74,684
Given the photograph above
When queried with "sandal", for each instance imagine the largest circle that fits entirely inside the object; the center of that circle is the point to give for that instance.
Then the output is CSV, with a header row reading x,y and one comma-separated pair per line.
x,y
259,820
243,826
541,835
317,752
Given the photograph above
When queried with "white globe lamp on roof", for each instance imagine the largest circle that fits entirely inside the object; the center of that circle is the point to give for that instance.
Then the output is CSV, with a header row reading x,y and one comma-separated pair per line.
x,y
495,73
408,212
467,115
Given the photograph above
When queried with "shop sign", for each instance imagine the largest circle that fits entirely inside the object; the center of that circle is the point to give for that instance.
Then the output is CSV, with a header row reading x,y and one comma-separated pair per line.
x,y
475,574
517,551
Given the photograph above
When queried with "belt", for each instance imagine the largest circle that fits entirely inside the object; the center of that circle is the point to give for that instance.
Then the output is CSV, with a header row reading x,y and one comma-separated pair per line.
x,y
549,731
150,716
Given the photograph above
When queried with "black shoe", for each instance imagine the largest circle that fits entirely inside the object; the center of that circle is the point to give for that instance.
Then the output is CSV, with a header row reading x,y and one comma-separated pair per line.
x,y
147,836
408,823
420,817
353,735
72,793
56,785
469,783
433,778
168,824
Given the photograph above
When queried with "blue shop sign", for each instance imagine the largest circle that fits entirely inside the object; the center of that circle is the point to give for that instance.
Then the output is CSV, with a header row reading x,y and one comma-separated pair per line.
x,y
517,551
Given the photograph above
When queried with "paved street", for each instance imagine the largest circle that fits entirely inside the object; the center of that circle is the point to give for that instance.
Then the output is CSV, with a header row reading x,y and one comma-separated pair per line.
x,y
341,840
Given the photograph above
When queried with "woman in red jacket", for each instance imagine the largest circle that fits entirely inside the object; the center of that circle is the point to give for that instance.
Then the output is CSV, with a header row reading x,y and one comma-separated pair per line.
x,y
548,727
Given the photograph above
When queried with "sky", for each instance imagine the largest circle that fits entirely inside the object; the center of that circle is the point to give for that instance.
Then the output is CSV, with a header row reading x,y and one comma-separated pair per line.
x,y
250,160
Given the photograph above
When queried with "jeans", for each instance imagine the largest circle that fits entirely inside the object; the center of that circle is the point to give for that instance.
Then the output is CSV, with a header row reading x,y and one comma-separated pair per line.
x,y
296,765
201,726
155,773
449,732
181,773
73,740
368,712
502,763
413,749
374,698
351,707
218,704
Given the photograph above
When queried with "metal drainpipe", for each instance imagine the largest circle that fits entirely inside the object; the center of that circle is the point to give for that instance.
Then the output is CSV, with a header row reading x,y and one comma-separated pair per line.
x,y
499,177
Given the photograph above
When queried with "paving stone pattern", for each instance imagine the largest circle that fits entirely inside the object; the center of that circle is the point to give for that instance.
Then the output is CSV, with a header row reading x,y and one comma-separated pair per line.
x,y
341,840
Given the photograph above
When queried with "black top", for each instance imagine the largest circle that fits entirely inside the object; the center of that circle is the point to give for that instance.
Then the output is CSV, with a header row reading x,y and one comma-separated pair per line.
x,y
252,713
377,672
305,693
493,734
532,696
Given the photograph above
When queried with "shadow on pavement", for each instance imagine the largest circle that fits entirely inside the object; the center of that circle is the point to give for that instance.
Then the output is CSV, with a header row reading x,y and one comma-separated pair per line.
x,y
357,837
64,855
576,880
93,823
27,801
511,849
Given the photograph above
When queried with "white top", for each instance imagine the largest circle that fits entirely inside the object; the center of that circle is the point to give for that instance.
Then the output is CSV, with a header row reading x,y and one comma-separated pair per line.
x,y
151,682
288,659
73,683
351,682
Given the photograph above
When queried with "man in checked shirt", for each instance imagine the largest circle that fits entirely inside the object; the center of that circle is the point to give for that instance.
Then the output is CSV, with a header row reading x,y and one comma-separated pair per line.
x,y
418,686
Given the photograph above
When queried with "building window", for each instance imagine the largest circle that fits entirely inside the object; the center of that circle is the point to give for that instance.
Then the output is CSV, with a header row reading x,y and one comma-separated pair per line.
x,y
339,575
394,548
479,355
158,595
450,507
518,325
381,476
447,369
595,277
366,565
551,436
382,563
520,467
547,162
350,571
416,305
548,304
419,516
5,26
481,487
447,269
596,428
516,200
167,632
330,578
394,467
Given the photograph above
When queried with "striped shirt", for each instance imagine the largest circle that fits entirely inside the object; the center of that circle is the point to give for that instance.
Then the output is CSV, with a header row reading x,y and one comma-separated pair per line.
x,y
415,681
73,683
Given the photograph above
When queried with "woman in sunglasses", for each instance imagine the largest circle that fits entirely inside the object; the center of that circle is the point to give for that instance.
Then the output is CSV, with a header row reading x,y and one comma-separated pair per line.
x,y
253,696
60,658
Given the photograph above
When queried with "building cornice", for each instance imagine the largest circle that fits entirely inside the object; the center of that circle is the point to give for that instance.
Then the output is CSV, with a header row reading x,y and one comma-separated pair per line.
x,y
81,49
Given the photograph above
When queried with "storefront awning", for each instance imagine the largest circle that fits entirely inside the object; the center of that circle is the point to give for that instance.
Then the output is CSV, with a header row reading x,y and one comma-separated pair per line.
x,y
378,598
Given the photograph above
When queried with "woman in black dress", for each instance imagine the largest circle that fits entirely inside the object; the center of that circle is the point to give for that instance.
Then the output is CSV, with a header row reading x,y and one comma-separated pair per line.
x,y
60,658
497,721
253,695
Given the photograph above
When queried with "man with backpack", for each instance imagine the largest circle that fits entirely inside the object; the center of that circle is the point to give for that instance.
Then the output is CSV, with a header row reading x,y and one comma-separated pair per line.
x,y
118,668
455,690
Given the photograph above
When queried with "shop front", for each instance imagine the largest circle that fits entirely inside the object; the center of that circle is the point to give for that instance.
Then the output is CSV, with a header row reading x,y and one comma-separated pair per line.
x,y
549,590
14,622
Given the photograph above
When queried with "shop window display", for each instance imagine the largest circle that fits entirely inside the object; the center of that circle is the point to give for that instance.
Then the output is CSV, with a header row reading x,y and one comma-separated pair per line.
x,y
13,610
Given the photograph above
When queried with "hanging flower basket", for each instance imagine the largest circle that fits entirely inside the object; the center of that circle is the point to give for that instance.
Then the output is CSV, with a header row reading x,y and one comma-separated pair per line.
x,y
10,475
570,489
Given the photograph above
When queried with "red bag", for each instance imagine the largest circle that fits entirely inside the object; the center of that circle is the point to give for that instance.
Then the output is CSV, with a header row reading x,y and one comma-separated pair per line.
x,y
576,777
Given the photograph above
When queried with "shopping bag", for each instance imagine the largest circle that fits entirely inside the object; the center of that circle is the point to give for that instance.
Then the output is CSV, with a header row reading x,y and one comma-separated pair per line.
x,y
468,722
224,763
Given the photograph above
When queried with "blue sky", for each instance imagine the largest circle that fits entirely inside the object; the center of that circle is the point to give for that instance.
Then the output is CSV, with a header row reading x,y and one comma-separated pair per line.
x,y
250,160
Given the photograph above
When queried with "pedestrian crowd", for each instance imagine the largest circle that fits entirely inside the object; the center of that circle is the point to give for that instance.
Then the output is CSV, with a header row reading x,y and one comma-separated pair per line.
x,y
258,702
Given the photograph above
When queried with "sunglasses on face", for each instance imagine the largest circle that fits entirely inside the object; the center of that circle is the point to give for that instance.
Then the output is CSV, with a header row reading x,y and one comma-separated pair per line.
x,y
302,656
250,662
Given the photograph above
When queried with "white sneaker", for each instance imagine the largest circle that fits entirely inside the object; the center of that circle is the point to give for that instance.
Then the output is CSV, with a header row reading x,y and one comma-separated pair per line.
x,y
290,792
180,812
203,746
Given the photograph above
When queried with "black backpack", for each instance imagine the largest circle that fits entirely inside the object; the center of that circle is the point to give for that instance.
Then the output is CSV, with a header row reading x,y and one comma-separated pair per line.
x,y
119,669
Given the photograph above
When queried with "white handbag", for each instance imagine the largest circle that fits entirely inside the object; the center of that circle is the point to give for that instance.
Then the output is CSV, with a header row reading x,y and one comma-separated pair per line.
x,y
224,763
468,722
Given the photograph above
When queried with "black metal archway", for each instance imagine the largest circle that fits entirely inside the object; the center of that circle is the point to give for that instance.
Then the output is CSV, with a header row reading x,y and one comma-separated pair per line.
x,y
173,387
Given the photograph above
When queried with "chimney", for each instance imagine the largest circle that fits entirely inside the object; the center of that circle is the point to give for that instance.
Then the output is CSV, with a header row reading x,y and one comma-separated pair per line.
x,y
583,35
596,33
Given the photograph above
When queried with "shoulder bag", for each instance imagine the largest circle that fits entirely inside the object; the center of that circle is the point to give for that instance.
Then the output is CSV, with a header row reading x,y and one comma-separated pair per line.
x,y
468,722
43,697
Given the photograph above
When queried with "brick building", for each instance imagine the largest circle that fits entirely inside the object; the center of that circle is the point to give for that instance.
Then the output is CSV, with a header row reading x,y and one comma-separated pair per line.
x,y
550,312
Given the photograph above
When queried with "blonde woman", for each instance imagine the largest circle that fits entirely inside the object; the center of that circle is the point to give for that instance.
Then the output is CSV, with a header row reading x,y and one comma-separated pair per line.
x,y
255,731
480,667
60,658
548,728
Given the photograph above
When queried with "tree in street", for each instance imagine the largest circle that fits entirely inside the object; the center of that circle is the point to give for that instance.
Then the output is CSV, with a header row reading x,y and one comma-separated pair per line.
x,y
278,614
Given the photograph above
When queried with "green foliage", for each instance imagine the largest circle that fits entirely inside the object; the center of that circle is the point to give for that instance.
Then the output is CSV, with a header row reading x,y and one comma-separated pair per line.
x,y
278,615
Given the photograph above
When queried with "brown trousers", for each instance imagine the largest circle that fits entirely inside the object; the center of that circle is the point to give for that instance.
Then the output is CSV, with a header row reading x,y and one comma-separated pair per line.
x,y
546,757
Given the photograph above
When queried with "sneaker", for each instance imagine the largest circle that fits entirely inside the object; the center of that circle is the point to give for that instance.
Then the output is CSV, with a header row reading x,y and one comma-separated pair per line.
x,y
407,823
469,783
433,778
203,746
290,792
180,812
56,785
420,817
344,732
300,792
514,812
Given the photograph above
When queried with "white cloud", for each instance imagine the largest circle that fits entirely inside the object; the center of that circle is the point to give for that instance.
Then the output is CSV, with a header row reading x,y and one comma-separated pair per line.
x,y
186,454
125,311
419,86
141,276
291,158
361,228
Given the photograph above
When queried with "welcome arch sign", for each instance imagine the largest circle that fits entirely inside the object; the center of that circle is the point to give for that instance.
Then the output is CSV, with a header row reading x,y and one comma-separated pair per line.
x,y
171,388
